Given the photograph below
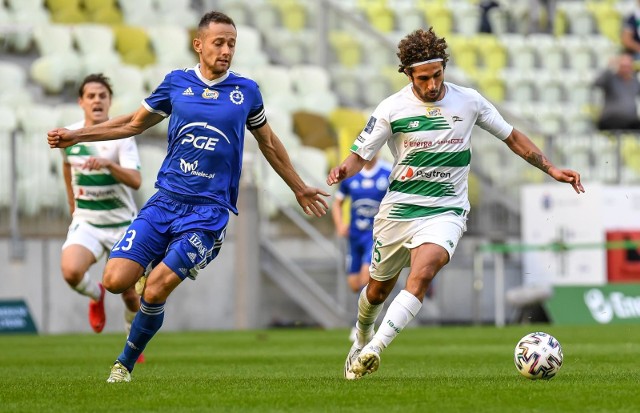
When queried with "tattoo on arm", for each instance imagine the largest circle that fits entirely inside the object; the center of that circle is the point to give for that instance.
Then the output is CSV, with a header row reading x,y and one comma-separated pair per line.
x,y
538,160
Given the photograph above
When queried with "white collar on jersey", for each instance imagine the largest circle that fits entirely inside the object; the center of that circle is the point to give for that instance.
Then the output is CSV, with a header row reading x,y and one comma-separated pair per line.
x,y
207,81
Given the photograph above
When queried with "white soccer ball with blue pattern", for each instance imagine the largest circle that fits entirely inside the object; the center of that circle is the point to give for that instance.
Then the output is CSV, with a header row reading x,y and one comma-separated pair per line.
x,y
538,356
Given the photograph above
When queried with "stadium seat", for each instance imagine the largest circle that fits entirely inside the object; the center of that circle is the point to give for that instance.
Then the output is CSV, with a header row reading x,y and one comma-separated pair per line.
x,y
381,18
172,45
250,52
280,121
376,87
522,55
492,86
293,15
581,22
550,52
138,12
322,102
176,12
53,39
94,38
92,6
52,72
237,10
309,79
70,113
98,63
151,157
346,83
127,80
274,79
266,16
107,15
441,18
155,74
292,48
346,48
133,45
38,119
467,18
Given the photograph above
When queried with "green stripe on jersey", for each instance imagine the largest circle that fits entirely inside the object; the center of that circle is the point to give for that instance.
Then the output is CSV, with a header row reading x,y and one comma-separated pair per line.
x,y
419,124
116,225
79,150
424,158
424,188
96,180
407,211
102,205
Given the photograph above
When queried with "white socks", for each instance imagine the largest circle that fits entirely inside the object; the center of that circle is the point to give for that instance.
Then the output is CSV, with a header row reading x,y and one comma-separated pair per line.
x,y
88,287
402,310
367,315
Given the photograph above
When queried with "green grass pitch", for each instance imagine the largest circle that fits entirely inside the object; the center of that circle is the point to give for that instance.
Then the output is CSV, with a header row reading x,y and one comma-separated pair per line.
x,y
431,369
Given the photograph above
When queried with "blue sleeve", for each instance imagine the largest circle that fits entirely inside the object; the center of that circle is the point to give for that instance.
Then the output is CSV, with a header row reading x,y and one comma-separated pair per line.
x,y
344,187
160,99
257,118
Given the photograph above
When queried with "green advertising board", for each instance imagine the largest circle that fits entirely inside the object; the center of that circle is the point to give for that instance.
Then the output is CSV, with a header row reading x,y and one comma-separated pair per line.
x,y
602,304
15,317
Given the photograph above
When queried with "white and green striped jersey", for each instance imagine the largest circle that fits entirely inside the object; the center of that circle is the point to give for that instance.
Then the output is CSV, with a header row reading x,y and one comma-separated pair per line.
x,y
101,200
431,146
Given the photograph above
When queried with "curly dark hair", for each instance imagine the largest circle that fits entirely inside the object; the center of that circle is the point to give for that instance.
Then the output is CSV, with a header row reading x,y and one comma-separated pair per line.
x,y
95,78
420,46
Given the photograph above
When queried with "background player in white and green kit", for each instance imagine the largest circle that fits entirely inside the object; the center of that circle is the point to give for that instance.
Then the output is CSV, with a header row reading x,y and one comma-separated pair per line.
x,y
99,178
427,126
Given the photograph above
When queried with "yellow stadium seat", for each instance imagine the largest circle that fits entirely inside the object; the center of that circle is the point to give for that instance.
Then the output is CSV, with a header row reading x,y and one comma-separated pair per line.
x,y
492,86
293,15
381,18
95,5
441,18
69,16
58,5
133,45
112,17
348,123
346,48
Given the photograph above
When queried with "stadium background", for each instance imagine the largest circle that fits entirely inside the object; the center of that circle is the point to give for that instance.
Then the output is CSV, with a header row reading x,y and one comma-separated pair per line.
x,y
321,65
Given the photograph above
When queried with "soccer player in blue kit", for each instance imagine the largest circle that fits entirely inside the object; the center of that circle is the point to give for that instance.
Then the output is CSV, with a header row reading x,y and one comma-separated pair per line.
x,y
181,228
365,189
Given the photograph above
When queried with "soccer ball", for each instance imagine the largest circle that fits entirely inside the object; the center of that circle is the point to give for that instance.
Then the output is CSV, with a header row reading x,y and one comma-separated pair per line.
x,y
538,356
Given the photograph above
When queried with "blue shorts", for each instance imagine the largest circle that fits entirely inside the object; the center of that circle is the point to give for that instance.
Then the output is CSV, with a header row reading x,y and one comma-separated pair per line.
x,y
185,236
359,254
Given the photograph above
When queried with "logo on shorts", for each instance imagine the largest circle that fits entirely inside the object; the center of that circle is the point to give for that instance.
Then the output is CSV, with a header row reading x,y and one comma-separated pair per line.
x,y
197,242
192,256
451,244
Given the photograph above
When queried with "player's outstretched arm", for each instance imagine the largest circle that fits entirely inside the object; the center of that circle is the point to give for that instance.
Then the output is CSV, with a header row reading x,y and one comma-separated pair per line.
x,y
310,199
116,128
351,165
521,145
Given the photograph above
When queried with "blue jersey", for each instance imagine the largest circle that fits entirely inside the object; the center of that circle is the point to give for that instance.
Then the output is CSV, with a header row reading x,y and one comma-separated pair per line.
x,y
366,189
206,133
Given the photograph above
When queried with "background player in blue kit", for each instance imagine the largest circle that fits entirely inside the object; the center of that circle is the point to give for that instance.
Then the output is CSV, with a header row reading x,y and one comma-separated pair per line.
x,y
181,228
365,189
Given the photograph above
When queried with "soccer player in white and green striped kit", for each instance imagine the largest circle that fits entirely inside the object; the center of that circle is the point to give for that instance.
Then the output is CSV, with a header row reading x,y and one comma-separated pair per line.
x,y
100,178
427,126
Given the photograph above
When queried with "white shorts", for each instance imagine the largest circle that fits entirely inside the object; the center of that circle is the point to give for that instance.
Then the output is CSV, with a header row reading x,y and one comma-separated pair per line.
x,y
393,241
97,240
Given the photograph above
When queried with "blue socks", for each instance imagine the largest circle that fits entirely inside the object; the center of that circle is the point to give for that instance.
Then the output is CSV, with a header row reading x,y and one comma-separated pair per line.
x,y
145,325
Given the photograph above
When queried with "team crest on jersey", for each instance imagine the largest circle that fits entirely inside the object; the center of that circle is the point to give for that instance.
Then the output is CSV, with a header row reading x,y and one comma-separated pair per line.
x,y
433,112
210,94
236,96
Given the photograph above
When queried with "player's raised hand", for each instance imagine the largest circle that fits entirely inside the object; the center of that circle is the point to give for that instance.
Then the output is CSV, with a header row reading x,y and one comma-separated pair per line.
x,y
312,202
61,138
568,176
337,174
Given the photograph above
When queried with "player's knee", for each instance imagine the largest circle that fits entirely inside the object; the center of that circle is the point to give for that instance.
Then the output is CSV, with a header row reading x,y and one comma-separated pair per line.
x,y
72,275
155,293
377,294
113,282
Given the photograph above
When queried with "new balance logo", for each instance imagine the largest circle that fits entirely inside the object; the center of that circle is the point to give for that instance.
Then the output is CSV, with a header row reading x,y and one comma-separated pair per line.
x,y
188,92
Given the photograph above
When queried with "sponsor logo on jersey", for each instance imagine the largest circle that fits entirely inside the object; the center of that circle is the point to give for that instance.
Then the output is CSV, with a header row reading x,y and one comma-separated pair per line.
x,y
424,174
236,96
429,144
207,143
191,168
210,94
370,125
96,193
188,92
413,124
456,119
433,112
